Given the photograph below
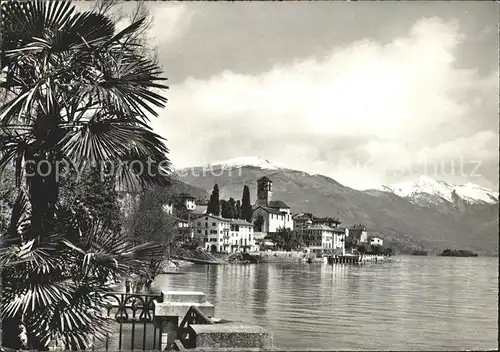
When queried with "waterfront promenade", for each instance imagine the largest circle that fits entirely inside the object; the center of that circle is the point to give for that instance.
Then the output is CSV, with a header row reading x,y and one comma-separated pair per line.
x,y
394,304
176,320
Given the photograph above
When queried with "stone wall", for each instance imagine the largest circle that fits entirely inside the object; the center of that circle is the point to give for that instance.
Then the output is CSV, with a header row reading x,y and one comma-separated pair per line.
x,y
279,257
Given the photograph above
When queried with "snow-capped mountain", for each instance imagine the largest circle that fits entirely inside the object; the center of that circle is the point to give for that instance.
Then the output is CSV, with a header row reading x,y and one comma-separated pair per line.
x,y
435,223
427,189
254,161
474,193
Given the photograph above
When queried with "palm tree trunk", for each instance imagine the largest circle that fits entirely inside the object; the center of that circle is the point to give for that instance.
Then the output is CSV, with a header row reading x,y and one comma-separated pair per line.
x,y
12,334
41,175
1,286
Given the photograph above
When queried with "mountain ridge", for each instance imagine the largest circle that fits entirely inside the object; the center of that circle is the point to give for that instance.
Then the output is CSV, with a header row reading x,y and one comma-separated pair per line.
x,y
404,224
469,192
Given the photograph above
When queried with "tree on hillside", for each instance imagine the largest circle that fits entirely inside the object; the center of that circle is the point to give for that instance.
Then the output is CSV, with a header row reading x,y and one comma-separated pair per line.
x,y
234,211
364,248
361,249
246,207
77,92
94,190
226,209
214,202
349,243
358,226
238,210
150,223
285,239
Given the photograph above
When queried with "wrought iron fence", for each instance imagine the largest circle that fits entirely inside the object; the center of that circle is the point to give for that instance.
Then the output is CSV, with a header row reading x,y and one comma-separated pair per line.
x,y
133,324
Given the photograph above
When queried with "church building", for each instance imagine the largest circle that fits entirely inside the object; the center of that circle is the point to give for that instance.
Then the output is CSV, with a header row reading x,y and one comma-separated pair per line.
x,y
269,215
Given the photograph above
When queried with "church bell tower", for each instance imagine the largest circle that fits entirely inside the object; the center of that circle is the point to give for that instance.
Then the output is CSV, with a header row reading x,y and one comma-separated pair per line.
x,y
264,191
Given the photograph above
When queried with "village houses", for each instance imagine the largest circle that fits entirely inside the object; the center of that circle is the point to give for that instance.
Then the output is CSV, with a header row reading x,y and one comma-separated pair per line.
x,y
321,234
218,234
181,208
375,241
358,235
213,231
224,235
241,237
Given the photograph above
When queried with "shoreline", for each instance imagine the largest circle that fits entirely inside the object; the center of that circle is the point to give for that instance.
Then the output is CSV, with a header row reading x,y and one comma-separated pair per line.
x,y
172,266
276,257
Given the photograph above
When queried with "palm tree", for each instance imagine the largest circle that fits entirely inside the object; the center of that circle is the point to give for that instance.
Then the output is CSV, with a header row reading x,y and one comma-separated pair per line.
x,y
76,93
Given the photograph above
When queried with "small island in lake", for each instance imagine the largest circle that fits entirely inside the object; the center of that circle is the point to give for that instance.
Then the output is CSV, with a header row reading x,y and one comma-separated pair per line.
x,y
457,253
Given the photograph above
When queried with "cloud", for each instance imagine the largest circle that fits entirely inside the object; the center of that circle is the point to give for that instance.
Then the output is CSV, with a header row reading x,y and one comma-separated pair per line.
x,y
385,105
170,22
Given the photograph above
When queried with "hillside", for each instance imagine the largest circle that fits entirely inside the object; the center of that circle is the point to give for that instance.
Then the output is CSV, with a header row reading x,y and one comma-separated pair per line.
x,y
404,224
182,187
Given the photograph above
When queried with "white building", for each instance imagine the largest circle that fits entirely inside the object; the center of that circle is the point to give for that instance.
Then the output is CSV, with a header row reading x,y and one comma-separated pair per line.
x,y
241,236
375,241
168,208
184,227
201,207
318,238
186,200
273,214
339,238
215,232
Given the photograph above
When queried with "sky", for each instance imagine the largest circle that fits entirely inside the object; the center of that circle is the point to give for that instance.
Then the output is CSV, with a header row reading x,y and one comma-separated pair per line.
x,y
368,93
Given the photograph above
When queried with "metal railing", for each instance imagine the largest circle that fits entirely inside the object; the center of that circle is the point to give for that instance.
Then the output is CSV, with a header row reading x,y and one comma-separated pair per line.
x,y
193,316
132,311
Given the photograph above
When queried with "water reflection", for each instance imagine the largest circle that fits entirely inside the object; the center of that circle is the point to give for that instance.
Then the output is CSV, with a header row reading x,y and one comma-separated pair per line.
x,y
260,296
413,303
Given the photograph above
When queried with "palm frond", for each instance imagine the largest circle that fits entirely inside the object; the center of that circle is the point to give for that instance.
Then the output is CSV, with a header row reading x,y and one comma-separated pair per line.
x,y
77,91
135,154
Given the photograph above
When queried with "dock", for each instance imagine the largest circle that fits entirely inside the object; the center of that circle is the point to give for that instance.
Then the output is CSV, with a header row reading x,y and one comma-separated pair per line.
x,y
344,259
355,259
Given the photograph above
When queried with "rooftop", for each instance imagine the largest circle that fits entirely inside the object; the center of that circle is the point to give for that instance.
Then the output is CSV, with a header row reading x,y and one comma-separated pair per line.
x,y
264,179
220,218
179,219
278,204
301,216
269,210
320,227
240,222
357,228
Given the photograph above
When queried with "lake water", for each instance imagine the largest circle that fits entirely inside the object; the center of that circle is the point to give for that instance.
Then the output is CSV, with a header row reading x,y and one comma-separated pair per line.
x,y
412,303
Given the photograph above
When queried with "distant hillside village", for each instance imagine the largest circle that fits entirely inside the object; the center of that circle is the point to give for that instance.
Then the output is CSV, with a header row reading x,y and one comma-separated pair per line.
x,y
267,224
